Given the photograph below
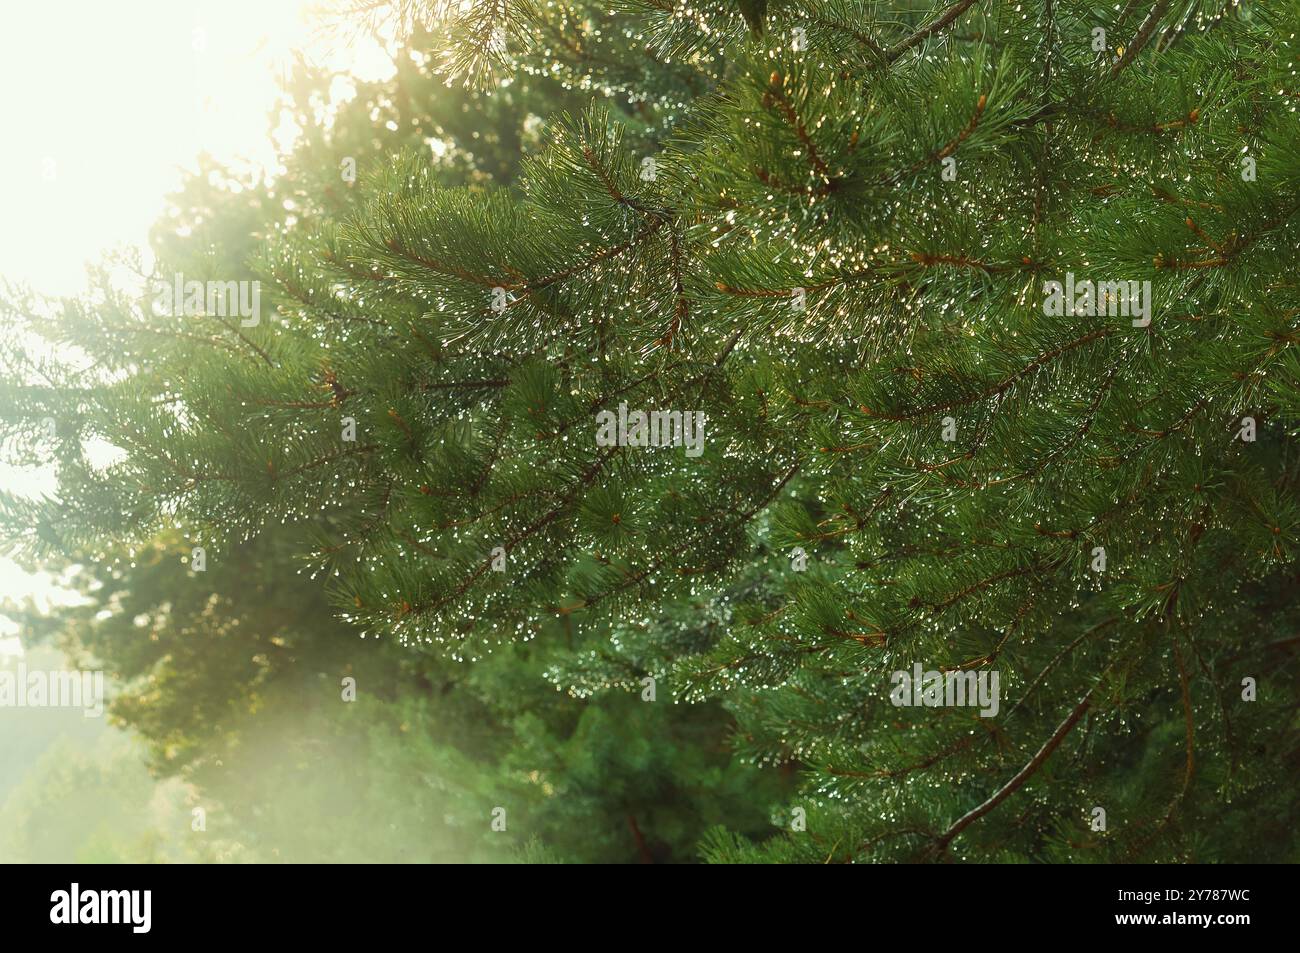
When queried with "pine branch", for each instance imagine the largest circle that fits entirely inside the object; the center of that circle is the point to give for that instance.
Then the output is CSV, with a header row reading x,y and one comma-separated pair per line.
x,y
923,34
1018,781
776,96
1001,387
944,151
1140,40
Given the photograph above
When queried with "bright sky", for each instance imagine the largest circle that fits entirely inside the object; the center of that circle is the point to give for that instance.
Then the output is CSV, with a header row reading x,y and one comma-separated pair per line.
x,y
104,102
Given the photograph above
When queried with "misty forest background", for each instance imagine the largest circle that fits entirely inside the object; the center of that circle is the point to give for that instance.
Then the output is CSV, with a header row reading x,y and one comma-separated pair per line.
x,y
508,150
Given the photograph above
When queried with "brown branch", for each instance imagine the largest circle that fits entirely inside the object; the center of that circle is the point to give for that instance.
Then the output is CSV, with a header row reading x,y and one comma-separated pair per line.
x,y
1003,385
321,461
469,385
1187,716
526,533
1178,200
681,308
883,271
606,179
776,95
590,262
948,149
1038,679
961,261
642,849
977,587
835,23
921,35
635,579
454,271
1144,32
959,745
1023,775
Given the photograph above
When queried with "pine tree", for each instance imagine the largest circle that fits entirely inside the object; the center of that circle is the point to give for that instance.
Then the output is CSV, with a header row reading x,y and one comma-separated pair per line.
x,y
843,231
231,673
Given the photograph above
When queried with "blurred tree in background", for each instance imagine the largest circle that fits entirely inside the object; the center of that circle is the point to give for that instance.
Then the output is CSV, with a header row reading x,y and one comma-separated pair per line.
x,y
235,683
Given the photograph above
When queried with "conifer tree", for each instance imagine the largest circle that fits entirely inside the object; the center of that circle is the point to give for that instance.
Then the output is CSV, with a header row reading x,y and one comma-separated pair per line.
x,y
991,313
231,673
